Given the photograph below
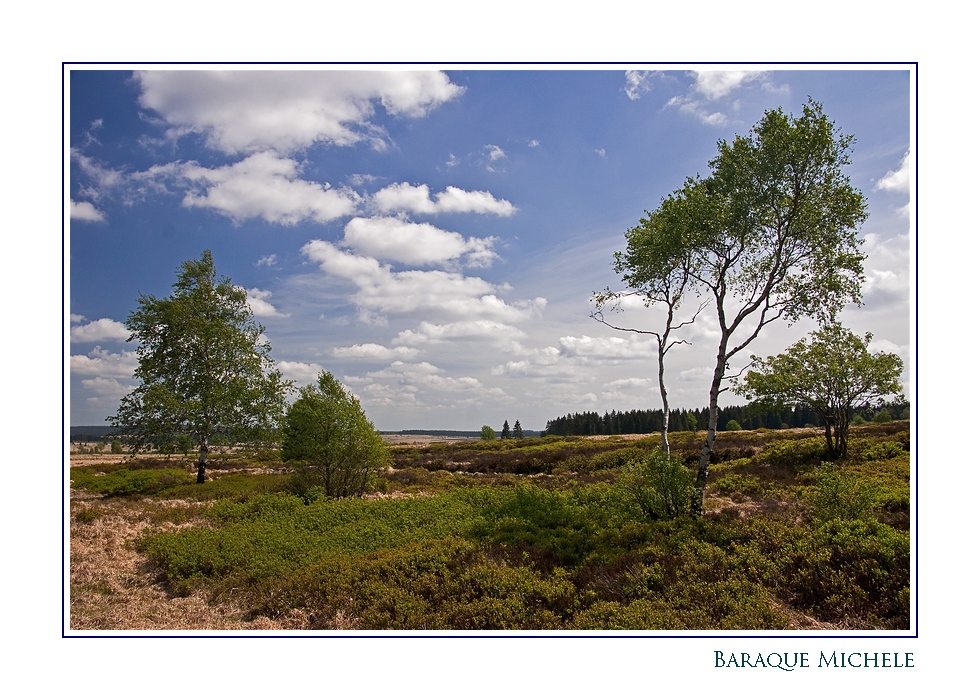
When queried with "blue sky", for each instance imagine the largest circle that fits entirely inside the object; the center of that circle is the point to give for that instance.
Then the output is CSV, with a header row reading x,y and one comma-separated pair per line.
x,y
433,238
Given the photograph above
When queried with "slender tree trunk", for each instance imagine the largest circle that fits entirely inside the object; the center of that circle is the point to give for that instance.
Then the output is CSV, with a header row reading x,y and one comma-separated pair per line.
x,y
202,462
697,504
664,445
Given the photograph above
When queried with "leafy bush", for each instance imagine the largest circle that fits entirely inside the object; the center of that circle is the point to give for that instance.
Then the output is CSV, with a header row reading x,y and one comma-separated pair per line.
x,y
793,454
733,425
130,482
840,494
661,486
337,447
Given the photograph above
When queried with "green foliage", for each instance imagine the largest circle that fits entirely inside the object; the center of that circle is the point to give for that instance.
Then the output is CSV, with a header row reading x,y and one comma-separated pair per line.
x,y
487,433
203,369
733,425
840,494
130,482
337,447
660,486
834,374
522,555
883,416
116,447
793,454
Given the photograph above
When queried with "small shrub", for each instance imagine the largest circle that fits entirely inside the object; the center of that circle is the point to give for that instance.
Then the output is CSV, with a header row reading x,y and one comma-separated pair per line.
x,y
733,425
840,494
661,486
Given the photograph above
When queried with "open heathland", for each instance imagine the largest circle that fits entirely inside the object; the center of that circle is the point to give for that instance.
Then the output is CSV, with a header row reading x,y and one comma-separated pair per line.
x,y
535,534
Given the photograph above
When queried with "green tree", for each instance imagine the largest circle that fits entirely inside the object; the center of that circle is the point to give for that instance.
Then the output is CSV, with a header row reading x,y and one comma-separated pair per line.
x,y
833,374
733,425
505,432
518,430
204,370
327,430
487,433
771,235
657,269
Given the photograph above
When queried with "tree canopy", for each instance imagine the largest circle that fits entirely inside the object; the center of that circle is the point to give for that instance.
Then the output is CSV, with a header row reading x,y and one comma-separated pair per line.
x,y
771,234
327,430
204,368
833,374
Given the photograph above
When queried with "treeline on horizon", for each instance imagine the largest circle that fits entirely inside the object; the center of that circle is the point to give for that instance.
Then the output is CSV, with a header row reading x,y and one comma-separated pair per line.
x,y
748,417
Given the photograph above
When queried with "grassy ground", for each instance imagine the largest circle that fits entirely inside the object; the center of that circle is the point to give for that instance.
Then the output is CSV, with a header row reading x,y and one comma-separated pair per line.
x,y
532,534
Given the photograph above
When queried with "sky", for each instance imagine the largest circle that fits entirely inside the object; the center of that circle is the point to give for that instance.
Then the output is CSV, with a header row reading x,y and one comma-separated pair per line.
x,y
433,238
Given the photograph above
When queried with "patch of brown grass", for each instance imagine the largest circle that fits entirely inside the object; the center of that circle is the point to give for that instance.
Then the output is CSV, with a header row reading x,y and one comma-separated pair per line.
x,y
113,587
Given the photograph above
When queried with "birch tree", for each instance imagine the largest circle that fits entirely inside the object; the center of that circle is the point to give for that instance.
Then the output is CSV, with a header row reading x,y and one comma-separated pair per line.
x,y
204,369
771,234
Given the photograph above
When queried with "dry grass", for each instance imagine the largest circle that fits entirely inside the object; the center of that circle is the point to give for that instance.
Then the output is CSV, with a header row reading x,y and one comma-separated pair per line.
x,y
114,588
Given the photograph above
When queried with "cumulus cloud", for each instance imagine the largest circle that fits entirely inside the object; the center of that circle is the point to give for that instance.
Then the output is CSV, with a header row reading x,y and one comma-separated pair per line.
x,y
480,330
404,197
608,348
638,82
375,352
415,244
102,363
717,84
415,377
712,86
265,185
250,111
85,211
261,307
381,290
300,372
266,261
95,331
105,392
896,180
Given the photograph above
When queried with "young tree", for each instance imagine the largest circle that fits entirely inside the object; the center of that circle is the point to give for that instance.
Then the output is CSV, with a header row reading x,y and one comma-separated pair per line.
x,y
518,430
771,234
326,429
657,269
487,433
833,374
505,432
203,369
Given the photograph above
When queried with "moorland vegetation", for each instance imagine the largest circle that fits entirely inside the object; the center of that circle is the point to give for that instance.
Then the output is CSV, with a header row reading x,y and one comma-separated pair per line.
x,y
551,533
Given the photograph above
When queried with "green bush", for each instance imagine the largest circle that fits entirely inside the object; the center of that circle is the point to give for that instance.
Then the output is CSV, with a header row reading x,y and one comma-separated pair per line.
x,y
660,486
793,454
733,425
130,482
840,494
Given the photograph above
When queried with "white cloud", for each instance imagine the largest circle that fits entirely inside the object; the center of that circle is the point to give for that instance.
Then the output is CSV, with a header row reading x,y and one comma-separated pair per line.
x,y
404,197
257,299
480,330
491,154
415,244
533,143
608,348
638,82
416,377
301,372
266,261
375,352
85,211
380,290
268,186
717,84
601,152
896,180
249,111
102,363
95,331
105,392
